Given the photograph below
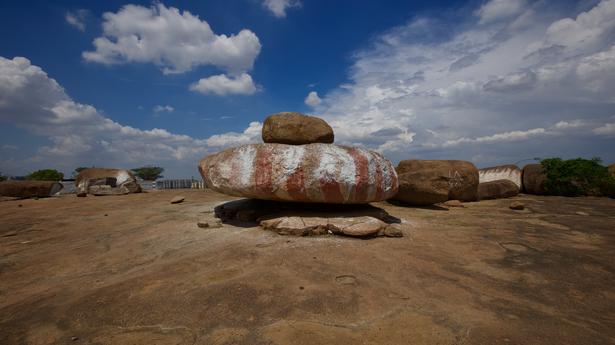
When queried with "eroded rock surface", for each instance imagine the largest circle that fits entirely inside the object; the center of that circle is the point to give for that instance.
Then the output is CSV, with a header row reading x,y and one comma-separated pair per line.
x,y
497,189
29,189
426,182
320,173
502,172
296,129
104,181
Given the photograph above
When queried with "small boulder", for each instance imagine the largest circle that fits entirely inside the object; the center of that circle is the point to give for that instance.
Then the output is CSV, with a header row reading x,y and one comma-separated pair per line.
x,y
210,223
453,203
534,178
362,226
29,189
296,129
427,182
497,189
393,230
502,172
516,205
177,199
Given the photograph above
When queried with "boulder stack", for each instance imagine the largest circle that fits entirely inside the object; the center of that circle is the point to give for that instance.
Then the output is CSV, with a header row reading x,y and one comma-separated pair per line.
x,y
298,162
103,181
427,182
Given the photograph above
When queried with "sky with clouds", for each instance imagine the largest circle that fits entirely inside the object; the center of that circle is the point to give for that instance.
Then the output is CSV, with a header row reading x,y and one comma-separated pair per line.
x,y
164,83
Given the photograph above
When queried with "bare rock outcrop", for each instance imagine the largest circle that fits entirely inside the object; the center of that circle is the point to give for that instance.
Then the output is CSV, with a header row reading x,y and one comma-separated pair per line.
x,y
29,189
104,181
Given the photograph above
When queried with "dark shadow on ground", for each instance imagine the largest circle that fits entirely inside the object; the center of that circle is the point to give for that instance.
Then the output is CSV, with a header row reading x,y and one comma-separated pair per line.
x,y
247,213
426,207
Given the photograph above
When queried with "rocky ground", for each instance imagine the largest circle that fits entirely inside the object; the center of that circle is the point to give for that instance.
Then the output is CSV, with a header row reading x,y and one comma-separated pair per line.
x,y
136,269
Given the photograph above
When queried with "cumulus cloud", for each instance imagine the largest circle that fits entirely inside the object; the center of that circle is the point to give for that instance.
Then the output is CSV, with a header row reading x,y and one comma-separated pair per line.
x,y
312,99
607,129
77,18
224,85
176,41
163,109
279,7
79,134
519,77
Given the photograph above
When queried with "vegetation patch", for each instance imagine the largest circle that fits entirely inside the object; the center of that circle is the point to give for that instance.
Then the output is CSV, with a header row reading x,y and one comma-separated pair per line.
x,y
576,177
45,175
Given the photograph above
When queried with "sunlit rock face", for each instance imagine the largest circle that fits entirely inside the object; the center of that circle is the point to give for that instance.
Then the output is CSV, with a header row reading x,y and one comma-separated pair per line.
x,y
323,173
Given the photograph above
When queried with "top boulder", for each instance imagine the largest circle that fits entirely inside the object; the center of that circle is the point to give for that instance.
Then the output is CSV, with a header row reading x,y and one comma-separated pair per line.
x,y
296,129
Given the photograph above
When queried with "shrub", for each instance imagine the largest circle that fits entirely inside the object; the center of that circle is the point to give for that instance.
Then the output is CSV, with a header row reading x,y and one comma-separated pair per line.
x,y
149,173
2,177
45,175
575,177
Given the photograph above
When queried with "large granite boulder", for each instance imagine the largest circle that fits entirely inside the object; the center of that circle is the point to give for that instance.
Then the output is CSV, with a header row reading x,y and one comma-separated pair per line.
x,y
322,173
502,172
29,189
296,129
497,189
104,181
534,178
426,182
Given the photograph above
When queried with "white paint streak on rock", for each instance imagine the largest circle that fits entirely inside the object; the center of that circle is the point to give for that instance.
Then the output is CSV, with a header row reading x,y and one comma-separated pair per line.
x,y
504,172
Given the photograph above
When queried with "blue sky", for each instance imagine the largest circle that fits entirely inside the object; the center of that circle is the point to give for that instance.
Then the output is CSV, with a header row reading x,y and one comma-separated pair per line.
x,y
125,84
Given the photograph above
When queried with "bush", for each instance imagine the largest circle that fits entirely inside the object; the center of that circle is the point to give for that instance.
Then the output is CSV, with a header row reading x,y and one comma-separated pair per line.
x,y
576,177
149,173
2,177
45,175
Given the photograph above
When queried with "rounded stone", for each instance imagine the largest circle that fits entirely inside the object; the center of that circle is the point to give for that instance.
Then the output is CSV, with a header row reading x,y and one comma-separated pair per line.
x,y
497,189
534,178
502,172
296,129
322,173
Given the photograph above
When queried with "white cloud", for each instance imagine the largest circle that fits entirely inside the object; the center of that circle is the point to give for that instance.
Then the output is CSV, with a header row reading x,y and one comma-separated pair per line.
x,y
79,134
223,85
312,99
279,7
9,147
77,18
163,109
249,135
173,40
499,9
608,129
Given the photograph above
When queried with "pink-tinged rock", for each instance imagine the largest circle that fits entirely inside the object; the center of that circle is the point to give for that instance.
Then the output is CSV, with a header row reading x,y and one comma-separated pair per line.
x,y
308,173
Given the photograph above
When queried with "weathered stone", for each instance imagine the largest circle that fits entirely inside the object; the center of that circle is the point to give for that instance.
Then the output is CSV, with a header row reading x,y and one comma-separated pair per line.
x,y
502,172
296,129
516,205
308,226
117,182
178,199
322,173
534,178
497,189
210,223
453,203
29,189
393,230
460,178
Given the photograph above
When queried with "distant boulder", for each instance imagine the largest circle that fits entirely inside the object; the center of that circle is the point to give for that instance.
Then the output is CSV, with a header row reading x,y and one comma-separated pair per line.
x,y
29,189
534,178
427,182
502,172
497,189
296,129
103,181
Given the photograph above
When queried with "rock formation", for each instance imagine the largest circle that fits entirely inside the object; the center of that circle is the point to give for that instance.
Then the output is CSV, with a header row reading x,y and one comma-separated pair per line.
x,y
534,179
324,173
426,182
102,181
296,129
502,172
29,189
497,189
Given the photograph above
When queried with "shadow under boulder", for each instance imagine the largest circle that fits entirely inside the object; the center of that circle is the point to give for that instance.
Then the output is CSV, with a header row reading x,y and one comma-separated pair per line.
x,y
309,219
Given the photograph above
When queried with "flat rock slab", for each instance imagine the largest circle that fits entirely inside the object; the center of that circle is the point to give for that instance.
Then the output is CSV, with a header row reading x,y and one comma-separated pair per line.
x,y
318,173
310,219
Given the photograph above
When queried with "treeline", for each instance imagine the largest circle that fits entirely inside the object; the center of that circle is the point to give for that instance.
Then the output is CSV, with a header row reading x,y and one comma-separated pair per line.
x,y
148,173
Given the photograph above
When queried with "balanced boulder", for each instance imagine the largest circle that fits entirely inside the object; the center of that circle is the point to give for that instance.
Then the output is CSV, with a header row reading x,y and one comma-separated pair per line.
x,y
426,182
103,181
29,189
322,173
502,172
497,189
534,178
296,129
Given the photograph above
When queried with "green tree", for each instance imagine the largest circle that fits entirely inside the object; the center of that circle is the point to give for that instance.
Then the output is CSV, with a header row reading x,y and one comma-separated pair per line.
x,y
149,173
575,177
45,175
